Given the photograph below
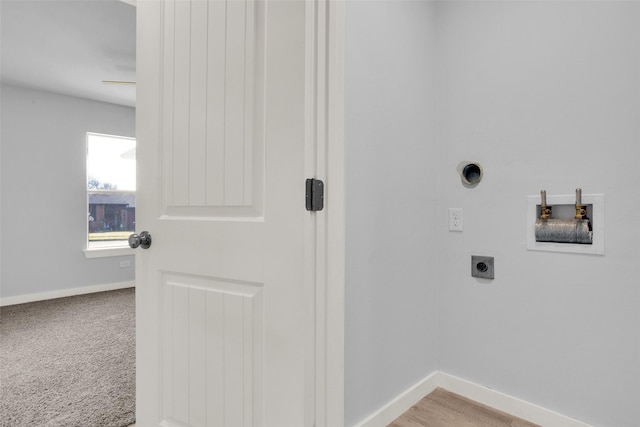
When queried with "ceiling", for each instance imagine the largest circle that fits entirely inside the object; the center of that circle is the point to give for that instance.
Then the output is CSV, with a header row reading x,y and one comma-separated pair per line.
x,y
70,47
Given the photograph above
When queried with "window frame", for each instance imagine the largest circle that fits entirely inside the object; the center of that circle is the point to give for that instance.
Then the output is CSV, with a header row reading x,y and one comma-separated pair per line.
x,y
104,251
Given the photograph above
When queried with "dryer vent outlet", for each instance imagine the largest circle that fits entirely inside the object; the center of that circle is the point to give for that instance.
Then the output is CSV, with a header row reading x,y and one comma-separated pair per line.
x,y
482,267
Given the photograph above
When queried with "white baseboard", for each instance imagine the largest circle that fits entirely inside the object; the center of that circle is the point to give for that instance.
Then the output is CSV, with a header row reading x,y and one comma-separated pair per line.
x,y
495,399
41,296
400,404
505,403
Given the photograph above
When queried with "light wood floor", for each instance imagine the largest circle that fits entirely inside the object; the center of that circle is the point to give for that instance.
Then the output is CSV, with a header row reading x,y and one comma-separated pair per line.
x,y
442,408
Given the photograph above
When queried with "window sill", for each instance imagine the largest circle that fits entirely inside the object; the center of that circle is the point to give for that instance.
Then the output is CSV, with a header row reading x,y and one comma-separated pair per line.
x,y
107,252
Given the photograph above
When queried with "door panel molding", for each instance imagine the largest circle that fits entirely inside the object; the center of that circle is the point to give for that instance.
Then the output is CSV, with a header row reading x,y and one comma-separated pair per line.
x,y
212,339
213,146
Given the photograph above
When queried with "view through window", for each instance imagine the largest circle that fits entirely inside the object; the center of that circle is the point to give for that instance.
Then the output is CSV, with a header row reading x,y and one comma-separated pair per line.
x,y
111,190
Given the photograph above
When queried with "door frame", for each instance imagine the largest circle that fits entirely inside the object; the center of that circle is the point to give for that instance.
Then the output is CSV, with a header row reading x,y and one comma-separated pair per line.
x,y
325,131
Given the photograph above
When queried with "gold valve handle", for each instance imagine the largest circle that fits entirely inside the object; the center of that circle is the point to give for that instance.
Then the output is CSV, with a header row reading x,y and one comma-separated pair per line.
x,y
545,211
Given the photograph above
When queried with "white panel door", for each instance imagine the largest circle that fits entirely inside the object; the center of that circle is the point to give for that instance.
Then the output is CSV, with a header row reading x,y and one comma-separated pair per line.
x,y
225,334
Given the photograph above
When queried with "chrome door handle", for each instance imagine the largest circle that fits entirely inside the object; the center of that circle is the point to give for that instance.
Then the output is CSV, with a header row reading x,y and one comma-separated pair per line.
x,y
143,240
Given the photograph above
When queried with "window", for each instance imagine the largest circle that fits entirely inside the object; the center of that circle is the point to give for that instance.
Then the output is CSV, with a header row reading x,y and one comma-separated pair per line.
x,y
111,190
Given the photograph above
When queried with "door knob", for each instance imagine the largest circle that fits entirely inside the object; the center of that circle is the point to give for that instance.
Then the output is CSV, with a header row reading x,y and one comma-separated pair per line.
x,y
143,240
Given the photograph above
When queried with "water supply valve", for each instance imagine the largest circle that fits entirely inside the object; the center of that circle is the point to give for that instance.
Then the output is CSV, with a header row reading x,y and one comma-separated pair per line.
x,y
563,230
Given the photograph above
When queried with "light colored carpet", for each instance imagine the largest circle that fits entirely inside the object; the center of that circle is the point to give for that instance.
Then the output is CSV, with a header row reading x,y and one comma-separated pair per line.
x,y
69,362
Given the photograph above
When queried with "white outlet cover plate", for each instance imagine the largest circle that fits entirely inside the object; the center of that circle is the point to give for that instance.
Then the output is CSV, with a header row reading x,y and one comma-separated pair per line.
x,y
453,226
597,221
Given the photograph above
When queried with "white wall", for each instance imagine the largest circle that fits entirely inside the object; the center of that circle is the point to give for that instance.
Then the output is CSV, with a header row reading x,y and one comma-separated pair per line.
x,y
44,211
543,95
391,313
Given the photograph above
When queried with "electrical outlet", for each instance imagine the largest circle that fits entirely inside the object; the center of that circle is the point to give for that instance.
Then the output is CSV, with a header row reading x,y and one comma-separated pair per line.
x,y
455,219
482,266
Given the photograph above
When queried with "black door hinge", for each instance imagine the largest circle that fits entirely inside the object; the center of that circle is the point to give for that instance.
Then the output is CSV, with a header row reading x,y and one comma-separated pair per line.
x,y
314,197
